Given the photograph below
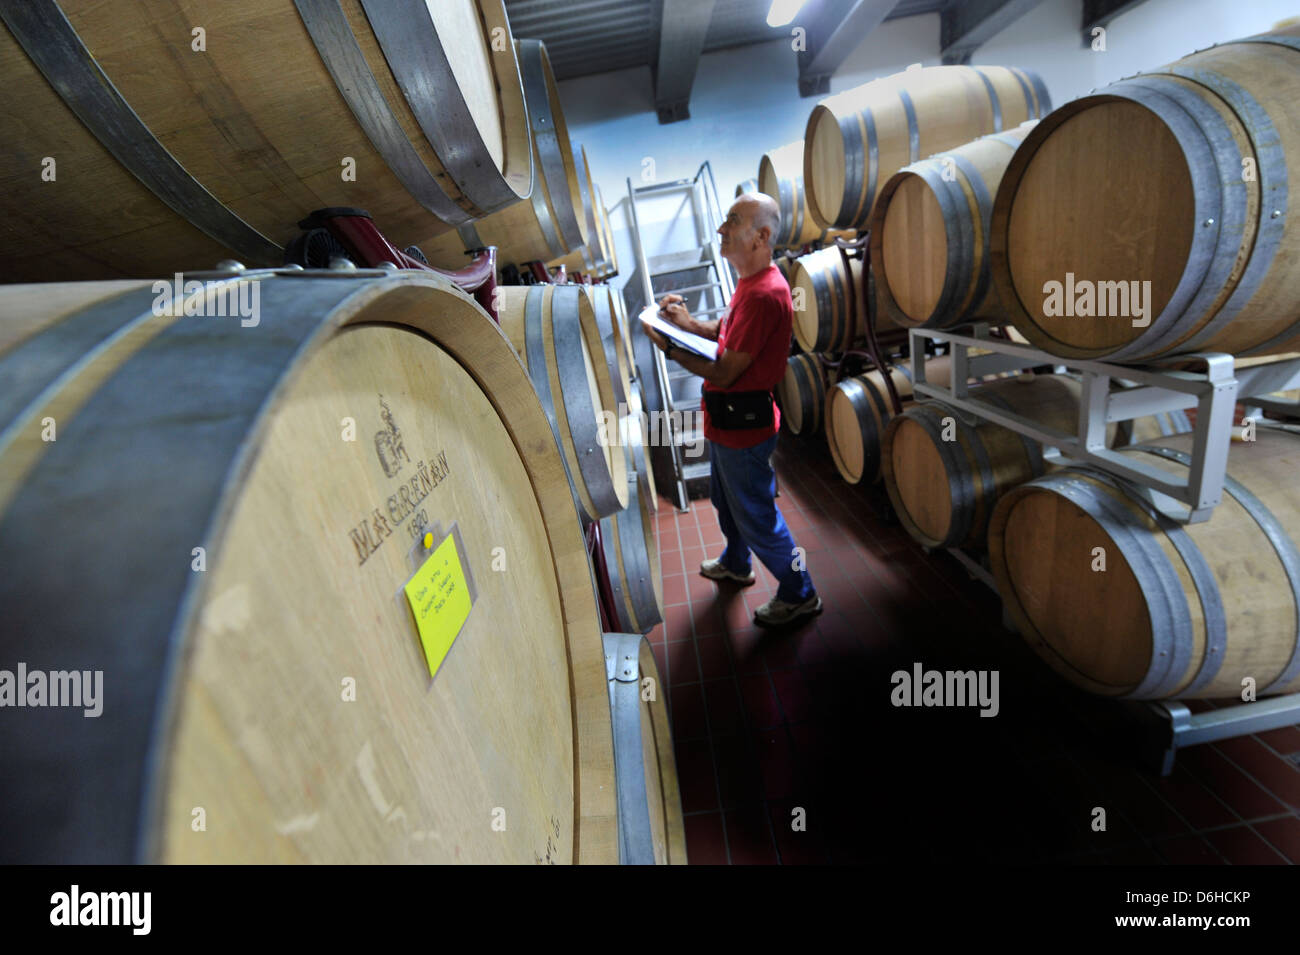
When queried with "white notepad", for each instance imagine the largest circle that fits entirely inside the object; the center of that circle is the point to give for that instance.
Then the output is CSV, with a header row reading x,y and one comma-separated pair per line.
x,y
687,340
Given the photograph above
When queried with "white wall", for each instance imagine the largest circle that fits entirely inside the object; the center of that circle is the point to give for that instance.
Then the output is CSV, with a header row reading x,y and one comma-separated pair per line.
x,y
1049,40
744,102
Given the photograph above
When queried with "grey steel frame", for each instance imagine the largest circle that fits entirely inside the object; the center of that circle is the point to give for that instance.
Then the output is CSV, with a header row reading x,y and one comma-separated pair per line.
x,y
1213,392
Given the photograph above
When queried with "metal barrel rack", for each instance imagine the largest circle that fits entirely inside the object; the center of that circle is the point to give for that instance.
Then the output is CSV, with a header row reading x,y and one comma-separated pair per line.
x,y
1212,383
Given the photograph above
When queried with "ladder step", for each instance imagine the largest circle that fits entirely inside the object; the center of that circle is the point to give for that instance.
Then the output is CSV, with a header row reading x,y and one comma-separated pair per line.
x,y
695,288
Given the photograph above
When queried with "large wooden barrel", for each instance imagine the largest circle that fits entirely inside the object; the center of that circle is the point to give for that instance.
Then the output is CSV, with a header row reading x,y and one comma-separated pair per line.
x,y
780,175
589,258
605,299
830,310
1180,610
857,139
631,551
555,332
945,476
222,529
652,829
551,222
1199,153
801,394
929,235
161,157
858,409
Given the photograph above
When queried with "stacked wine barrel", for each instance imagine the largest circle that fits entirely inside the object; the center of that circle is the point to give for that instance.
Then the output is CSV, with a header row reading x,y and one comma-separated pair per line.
x,y
553,221
858,410
406,110
833,304
1199,152
930,235
855,140
219,527
1124,602
596,257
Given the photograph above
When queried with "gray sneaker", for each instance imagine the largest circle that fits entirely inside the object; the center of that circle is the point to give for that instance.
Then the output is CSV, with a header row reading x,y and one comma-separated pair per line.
x,y
778,613
714,570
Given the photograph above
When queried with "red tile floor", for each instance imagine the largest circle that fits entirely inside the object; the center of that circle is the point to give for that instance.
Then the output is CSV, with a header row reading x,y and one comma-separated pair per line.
x,y
774,728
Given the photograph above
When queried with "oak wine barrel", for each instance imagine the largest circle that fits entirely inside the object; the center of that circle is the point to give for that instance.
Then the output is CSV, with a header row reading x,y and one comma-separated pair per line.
x,y
631,552
589,258
144,155
944,476
780,175
1199,153
857,139
555,331
1179,610
550,222
825,317
605,299
222,528
929,235
858,409
801,394
652,829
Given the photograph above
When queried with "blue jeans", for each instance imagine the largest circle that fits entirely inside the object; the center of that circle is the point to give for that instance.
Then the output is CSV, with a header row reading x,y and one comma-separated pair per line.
x,y
744,493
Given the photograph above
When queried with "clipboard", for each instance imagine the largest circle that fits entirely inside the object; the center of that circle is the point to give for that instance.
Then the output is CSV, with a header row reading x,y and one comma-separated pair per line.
x,y
685,340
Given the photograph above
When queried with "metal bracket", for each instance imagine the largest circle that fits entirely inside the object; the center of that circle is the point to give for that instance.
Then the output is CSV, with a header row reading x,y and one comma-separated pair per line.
x,y
1213,392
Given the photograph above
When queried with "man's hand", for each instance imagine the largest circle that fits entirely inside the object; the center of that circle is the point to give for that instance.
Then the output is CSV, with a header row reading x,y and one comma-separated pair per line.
x,y
673,309
657,337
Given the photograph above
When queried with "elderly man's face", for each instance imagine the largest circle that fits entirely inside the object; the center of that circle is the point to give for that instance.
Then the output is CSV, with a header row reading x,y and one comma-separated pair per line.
x,y
737,229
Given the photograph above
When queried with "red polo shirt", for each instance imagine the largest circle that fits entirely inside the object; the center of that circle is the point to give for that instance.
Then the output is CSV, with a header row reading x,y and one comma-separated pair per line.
x,y
758,324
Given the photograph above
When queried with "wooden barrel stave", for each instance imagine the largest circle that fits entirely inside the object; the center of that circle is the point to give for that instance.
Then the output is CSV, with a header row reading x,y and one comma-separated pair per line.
x,y
574,386
197,157
550,223
1185,610
801,394
195,702
780,175
604,299
632,557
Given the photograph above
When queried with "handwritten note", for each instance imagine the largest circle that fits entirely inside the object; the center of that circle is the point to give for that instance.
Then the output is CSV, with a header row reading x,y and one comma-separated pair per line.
x,y
440,601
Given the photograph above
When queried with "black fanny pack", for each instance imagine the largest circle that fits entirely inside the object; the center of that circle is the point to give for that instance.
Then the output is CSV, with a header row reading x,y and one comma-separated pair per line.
x,y
739,410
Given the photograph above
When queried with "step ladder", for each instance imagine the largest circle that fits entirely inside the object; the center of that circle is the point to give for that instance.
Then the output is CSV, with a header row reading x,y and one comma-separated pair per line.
x,y
687,261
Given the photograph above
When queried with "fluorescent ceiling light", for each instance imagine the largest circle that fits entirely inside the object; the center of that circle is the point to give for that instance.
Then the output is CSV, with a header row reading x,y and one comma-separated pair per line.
x,y
783,11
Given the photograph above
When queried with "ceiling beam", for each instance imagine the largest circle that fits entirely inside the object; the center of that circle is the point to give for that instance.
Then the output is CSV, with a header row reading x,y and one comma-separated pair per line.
x,y
1099,13
682,31
966,26
834,31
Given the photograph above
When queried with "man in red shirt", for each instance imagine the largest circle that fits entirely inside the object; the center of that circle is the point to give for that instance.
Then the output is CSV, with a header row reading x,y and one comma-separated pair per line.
x,y
740,419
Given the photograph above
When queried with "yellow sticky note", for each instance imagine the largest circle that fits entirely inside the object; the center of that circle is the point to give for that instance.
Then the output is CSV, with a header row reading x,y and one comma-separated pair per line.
x,y
440,601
